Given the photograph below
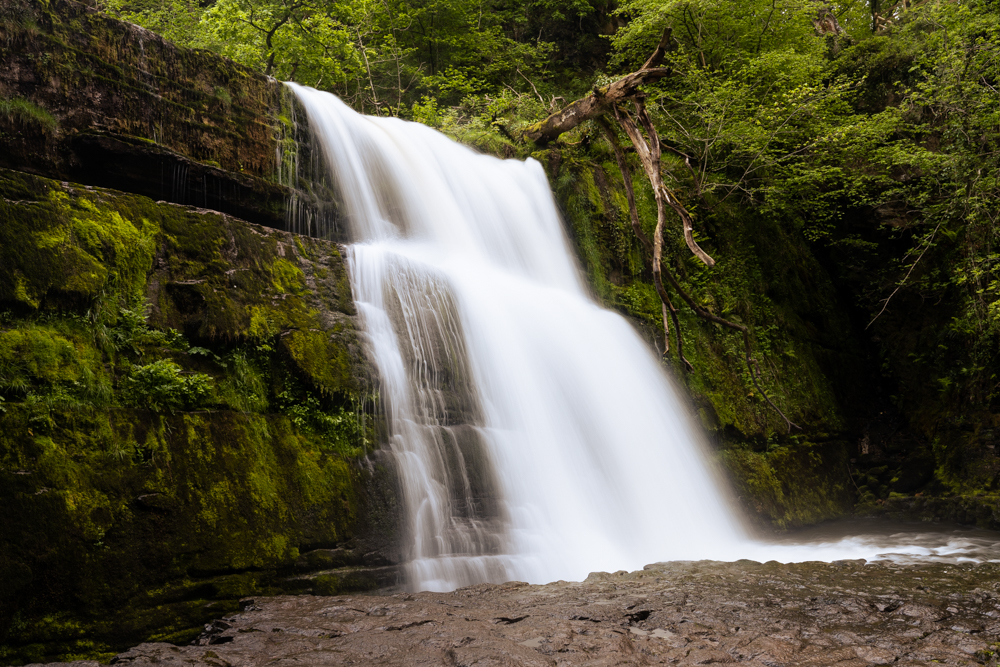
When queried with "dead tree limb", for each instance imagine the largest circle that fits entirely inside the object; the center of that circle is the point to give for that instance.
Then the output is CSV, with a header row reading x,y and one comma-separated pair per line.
x,y
668,196
602,99
649,155
607,99
668,306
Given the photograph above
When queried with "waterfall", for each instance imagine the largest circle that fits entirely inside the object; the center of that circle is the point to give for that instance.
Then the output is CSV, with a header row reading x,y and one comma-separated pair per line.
x,y
537,435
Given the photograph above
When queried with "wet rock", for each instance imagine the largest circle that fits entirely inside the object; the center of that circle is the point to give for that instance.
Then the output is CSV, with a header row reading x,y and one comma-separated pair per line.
x,y
693,613
343,579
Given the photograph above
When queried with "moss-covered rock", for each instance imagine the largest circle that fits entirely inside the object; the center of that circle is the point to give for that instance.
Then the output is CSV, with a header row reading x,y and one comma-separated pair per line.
x,y
185,411
982,510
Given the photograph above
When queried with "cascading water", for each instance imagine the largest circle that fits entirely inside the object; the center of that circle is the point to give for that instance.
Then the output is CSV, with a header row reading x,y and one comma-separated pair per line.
x,y
537,436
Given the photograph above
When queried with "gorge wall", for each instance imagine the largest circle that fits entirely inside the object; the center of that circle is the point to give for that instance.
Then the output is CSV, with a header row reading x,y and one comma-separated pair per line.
x,y
157,466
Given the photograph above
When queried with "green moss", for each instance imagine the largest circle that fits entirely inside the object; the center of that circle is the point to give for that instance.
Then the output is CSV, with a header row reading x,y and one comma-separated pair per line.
x,y
325,363
287,278
792,486
68,250
218,492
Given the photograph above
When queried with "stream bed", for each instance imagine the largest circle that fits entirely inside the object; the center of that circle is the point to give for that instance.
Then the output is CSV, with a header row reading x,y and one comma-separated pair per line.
x,y
679,613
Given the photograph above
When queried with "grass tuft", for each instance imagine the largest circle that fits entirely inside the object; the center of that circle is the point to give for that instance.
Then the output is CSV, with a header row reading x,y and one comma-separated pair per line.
x,y
28,112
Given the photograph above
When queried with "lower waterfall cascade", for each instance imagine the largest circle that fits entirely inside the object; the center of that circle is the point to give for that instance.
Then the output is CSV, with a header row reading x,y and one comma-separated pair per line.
x,y
537,435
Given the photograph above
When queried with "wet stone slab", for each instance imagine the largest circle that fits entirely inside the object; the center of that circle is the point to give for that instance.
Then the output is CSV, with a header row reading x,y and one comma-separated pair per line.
x,y
693,613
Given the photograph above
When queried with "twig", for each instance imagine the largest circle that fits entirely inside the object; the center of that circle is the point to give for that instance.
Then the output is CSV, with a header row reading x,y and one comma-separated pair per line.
x,y
532,86
906,277
849,472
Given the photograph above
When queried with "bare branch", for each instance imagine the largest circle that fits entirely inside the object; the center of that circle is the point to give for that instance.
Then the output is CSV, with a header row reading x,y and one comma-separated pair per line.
x,y
907,276
668,196
660,51
668,308
532,86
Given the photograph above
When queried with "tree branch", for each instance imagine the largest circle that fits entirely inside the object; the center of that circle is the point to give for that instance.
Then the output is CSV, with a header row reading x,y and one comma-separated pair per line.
x,y
751,362
907,276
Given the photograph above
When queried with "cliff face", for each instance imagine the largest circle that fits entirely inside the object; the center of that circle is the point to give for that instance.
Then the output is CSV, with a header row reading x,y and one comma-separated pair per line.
x,y
186,416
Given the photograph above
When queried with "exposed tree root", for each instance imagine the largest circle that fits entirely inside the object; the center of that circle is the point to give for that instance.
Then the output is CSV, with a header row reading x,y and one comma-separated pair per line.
x,y
654,248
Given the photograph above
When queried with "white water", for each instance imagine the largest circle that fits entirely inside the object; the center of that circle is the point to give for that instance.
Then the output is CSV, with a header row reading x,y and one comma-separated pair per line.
x,y
537,436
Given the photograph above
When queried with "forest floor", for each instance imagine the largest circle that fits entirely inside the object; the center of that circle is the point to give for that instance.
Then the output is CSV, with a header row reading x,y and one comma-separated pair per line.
x,y
681,613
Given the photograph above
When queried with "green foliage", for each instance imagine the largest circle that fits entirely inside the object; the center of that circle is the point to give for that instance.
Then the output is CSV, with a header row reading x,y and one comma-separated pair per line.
x,y
51,364
128,331
163,385
385,55
177,20
244,386
880,149
341,431
718,34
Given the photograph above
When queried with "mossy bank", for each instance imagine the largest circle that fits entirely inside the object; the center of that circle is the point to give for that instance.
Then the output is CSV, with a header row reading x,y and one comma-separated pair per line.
x,y
184,417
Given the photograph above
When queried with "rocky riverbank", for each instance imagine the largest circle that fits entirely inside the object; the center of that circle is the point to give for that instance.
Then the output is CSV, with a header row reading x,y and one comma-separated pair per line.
x,y
684,613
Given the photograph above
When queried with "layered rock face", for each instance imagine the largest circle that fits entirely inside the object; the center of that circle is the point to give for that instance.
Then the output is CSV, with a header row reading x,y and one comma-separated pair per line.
x,y
186,415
